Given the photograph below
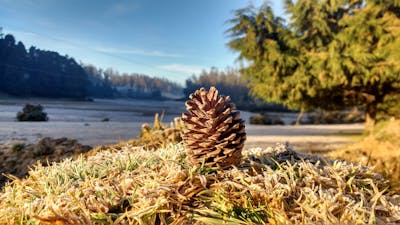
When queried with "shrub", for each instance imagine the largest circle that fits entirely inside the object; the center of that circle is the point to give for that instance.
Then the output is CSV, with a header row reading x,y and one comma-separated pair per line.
x,y
18,147
335,117
32,113
266,119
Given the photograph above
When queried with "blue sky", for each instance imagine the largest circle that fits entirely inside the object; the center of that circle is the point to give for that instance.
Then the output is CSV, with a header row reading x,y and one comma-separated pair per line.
x,y
166,38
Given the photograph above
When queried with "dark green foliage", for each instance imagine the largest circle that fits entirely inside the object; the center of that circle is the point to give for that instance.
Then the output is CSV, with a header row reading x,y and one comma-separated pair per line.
x,y
334,117
329,55
265,119
39,73
48,74
18,147
390,108
32,113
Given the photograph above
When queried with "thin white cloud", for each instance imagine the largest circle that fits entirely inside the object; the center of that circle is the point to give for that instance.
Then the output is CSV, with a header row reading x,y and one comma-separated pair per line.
x,y
189,69
18,33
123,8
137,52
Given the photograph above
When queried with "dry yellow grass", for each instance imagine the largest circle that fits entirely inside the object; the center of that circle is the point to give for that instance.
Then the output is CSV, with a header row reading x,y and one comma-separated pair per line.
x,y
158,135
380,150
136,186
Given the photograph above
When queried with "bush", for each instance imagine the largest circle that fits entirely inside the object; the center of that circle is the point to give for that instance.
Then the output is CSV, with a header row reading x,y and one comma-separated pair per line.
x,y
266,119
32,113
18,147
335,117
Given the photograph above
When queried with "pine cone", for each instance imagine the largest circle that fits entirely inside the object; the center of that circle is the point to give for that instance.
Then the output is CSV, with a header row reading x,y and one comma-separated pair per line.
x,y
214,133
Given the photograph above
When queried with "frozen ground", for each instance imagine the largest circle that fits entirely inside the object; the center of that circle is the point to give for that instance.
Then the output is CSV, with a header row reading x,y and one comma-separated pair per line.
x,y
83,121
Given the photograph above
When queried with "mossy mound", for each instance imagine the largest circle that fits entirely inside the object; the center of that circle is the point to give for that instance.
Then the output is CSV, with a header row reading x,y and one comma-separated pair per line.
x,y
138,186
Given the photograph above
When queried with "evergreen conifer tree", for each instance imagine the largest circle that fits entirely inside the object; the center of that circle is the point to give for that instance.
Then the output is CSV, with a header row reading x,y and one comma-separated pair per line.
x,y
330,54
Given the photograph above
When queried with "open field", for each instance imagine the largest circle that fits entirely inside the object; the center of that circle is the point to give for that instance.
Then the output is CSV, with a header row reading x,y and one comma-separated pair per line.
x,y
83,121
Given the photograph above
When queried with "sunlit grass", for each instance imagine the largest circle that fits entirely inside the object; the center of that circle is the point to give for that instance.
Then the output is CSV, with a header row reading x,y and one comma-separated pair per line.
x,y
381,150
136,186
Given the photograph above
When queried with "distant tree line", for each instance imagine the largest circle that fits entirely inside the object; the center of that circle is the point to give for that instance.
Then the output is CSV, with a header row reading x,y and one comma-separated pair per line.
x,y
100,84
110,83
142,85
39,73
48,74
230,82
